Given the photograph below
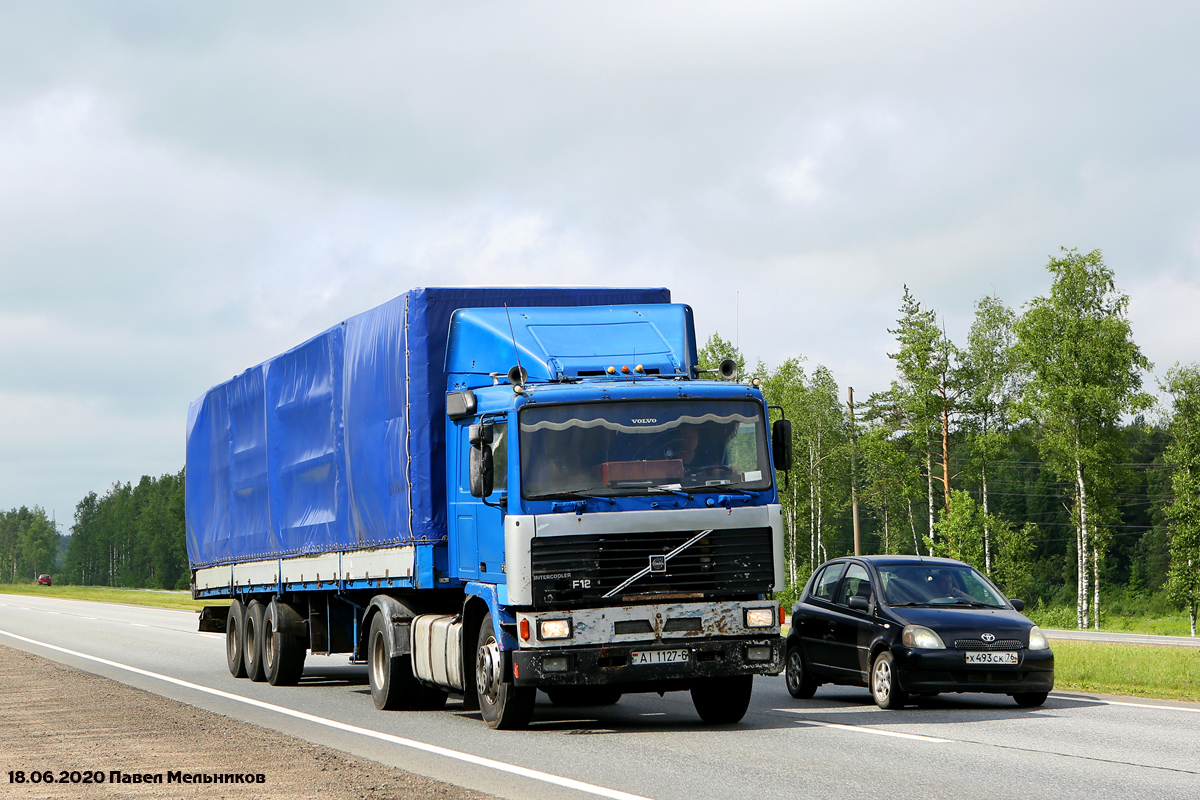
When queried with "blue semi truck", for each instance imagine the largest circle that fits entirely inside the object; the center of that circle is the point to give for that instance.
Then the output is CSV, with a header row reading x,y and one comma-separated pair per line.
x,y
488,492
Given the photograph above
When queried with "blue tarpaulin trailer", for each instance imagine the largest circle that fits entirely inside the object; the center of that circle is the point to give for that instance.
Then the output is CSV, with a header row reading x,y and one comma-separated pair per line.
x,y
364,492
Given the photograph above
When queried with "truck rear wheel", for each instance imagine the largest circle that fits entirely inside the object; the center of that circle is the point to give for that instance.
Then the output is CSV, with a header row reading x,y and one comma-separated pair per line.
x,y
504,706
723,701
283,653
252,640
393,685
233,639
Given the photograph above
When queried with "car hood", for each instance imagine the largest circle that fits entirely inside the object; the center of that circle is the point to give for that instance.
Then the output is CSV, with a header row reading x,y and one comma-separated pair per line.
x,y
969,623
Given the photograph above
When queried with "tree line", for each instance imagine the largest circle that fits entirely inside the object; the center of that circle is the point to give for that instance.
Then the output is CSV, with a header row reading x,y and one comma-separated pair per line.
x,y
133,536
1027,450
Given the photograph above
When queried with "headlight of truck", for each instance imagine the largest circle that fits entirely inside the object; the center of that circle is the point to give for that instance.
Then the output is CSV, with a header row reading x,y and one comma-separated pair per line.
x,y
760,617
922,637
554,628
1037,639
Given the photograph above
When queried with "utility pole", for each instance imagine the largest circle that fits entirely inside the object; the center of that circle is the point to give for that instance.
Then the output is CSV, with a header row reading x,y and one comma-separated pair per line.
x,y
854,474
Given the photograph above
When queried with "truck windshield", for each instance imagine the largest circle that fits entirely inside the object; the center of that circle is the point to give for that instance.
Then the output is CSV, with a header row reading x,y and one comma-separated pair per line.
x,y
628,448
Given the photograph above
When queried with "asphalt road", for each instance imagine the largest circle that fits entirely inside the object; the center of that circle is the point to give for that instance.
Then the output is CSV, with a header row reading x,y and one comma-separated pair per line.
x,y
1122,638
837,745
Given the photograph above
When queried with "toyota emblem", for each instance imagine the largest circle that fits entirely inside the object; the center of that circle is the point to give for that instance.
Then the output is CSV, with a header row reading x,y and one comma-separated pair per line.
x,y
988,637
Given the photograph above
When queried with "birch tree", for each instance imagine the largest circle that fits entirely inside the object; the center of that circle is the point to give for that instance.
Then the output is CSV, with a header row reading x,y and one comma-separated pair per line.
x,y
927,391
1083,371
1183,455
989,379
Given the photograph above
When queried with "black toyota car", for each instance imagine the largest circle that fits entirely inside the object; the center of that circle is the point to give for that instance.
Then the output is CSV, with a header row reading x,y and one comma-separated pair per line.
x,y
909,625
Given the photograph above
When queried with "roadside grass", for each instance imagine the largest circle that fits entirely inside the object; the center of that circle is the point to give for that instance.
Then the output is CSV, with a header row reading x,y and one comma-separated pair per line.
x,y
1063,618
1135,670
106,594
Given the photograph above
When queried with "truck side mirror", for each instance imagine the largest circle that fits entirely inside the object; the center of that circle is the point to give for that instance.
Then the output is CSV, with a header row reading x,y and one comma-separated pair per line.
x,y
481,469
781,444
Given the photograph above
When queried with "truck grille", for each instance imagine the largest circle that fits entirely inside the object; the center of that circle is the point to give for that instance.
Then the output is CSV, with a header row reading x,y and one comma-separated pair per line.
x,y
575,569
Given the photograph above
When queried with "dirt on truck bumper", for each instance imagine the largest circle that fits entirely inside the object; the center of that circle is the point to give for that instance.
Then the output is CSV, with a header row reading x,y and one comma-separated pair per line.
x,y
648,667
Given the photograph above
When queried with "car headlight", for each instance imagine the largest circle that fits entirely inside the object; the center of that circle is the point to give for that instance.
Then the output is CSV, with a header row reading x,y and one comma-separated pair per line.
x,y
760,617
1037,639
922,637
554,629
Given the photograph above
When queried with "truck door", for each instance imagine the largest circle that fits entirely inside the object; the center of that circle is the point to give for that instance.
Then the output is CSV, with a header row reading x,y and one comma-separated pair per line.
x,y
477,529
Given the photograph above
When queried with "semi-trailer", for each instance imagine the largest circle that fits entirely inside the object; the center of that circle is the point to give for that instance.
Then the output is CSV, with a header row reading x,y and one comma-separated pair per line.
x,y
488,492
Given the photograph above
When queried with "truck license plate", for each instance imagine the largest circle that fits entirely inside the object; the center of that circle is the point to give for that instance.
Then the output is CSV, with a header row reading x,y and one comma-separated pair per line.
x,y
991,657
661,656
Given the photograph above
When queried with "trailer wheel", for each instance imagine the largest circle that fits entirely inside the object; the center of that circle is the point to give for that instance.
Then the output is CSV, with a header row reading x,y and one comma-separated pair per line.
x,y
283,653
233,639
583,695
723,701
252,640
393,685
504,705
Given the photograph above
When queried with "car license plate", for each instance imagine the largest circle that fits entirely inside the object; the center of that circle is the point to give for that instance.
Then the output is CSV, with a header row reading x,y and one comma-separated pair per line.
x,y
683,656
992,657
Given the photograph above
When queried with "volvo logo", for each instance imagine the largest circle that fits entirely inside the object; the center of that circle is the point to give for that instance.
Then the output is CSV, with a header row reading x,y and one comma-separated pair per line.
x,y
988,637
649,421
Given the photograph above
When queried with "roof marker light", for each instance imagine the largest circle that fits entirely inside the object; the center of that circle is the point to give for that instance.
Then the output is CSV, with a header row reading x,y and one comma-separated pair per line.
x,y
611,370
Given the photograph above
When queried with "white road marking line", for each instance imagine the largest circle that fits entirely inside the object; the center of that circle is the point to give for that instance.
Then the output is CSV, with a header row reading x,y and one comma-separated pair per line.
x,y
1121,703
525,772
862,729
655,714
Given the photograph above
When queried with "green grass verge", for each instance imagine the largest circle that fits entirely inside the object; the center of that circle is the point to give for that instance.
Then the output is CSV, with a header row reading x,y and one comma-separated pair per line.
x,y
1136,670
1154,624
105,594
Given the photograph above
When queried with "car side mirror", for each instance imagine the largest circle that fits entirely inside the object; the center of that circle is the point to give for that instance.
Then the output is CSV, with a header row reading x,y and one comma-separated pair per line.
x,y
1019,605
481,470
781,444
859,603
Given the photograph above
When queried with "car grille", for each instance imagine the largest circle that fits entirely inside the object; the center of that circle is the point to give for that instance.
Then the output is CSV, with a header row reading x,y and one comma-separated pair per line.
x,y
730,562
979,644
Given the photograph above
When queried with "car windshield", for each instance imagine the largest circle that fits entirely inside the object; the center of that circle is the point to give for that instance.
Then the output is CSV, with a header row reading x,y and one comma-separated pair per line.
x,y
925,584
627,448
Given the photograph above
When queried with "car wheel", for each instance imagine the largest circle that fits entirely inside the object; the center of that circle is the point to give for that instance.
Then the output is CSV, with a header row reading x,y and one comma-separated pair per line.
x,y
799,683
283,653
503,704
233,639
393,685
252,641
884,686
583,695
722,701
1030,699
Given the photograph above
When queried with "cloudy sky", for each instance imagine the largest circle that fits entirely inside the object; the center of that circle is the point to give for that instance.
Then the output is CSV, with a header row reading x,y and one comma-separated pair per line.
x,y
188,188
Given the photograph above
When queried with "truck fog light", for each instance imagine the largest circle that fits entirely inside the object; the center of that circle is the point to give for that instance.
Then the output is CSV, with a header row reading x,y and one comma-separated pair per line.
x,y
760,617
758,653
554,629
555,664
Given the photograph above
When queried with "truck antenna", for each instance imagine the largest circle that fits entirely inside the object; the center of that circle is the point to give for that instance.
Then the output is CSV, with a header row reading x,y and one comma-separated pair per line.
x,y
521,373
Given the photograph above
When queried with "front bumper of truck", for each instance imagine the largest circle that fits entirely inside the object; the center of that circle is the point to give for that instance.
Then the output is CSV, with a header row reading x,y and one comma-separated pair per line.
x,y
613,665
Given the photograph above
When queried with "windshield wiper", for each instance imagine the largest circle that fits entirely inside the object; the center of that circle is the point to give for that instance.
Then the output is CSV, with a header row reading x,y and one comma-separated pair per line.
x,y
671,488
583,494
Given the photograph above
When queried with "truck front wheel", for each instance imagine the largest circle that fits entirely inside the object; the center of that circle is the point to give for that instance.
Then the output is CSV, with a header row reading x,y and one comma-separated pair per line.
x,y
504,706
233,639
723,701
393,685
